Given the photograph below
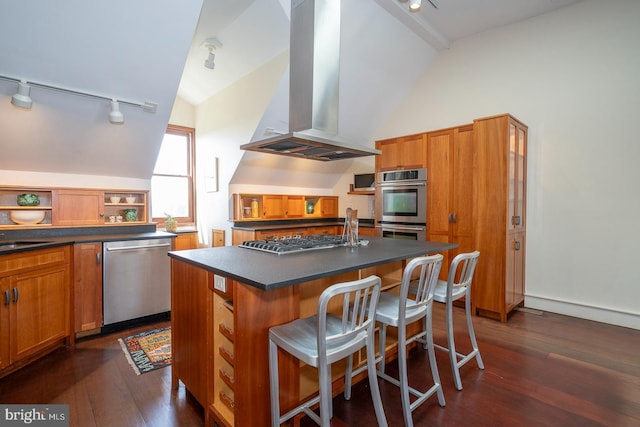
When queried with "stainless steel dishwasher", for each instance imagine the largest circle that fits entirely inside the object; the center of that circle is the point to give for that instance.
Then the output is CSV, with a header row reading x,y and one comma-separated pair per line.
x,y
136,279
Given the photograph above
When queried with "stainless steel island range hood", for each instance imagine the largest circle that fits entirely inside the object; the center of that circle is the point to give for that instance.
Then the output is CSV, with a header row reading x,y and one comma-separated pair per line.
x,y
314,70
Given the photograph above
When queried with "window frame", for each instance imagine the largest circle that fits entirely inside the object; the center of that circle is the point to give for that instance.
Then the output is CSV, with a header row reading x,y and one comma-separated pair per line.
x,y
190,133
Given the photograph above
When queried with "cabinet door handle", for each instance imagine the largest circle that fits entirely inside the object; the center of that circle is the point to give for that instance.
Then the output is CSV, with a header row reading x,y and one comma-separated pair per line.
x,y
454,218
517,245
7,297
515,220
98,258
15,294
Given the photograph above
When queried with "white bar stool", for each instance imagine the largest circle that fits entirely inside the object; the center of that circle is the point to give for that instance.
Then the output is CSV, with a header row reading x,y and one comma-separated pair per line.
x,y
399,311
324,339
463,267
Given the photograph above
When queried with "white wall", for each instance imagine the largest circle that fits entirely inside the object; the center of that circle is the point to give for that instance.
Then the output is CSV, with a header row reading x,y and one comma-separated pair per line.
x,y
46,179
223,123
573,77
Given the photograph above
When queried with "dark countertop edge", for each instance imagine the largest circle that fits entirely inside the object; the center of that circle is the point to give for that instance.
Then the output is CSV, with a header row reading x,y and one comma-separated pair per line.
x,y
284,224
180,230
184,257
52,242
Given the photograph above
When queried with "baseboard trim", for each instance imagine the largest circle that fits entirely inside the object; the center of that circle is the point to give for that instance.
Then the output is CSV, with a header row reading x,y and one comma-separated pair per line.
x,y
583,311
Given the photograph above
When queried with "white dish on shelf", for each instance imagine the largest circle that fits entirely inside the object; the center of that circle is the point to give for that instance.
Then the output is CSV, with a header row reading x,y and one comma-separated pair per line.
x,y
130,199
114,199
27,216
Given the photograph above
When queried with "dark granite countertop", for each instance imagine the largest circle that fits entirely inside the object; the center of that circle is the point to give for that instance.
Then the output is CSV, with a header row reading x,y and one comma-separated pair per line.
x,y
284,224
48,238
268,271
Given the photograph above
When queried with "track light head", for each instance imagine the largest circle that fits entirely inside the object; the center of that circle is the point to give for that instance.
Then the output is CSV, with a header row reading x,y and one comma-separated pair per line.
x,y
115,116
21,98
211,44
210,61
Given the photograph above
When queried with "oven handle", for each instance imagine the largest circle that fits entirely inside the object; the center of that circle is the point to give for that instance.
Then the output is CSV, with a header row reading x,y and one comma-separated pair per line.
x,y
395,227
402,184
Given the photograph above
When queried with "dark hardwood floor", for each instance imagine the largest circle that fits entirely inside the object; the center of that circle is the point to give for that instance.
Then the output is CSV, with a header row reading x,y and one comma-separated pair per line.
x,y
540,370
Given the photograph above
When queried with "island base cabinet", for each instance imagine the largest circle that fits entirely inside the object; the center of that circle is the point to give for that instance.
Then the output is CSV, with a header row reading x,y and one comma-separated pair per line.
x,y
191,329
221,340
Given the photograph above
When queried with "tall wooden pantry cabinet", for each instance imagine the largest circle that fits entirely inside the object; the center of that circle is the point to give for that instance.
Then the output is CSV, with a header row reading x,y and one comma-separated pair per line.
x,y
450,190
500,154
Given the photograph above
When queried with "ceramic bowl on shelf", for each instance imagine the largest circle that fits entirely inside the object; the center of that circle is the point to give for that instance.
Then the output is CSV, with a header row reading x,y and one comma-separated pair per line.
x,y
130,215
114,199
28,200
27,216
130,199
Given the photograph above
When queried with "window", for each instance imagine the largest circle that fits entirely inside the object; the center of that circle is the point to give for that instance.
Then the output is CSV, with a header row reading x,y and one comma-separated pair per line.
x,y
172,184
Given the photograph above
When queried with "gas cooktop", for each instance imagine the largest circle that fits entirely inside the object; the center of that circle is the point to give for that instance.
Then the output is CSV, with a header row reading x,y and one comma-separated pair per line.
x,y
288,245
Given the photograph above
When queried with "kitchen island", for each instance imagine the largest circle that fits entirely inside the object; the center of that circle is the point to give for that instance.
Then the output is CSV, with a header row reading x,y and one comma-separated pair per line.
x,y
225,299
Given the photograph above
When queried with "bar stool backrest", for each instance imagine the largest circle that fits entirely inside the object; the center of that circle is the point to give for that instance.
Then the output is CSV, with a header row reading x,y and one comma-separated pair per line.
x,y
359,301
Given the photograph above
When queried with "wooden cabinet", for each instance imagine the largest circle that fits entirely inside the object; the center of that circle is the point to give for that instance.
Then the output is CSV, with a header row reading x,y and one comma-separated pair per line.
x,y
257,207
185,241
217,238
276,206
405,152
450,190
367,231
75,207
125,206
87,278
35,313
294,206
78,207
500,150
9,204
224,375
273,206
329,207
240,235
191,330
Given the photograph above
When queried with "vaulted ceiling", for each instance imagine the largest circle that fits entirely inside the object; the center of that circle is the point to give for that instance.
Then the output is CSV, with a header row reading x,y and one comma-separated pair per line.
x,y
151,51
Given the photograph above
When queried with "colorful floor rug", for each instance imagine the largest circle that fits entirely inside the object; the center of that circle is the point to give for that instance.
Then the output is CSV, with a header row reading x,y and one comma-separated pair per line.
x,y
148,351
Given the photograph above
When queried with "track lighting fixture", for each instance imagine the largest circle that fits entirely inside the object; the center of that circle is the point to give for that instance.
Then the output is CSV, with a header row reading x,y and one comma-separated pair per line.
x,y
210,61
21,98
415,5
211,44
115,116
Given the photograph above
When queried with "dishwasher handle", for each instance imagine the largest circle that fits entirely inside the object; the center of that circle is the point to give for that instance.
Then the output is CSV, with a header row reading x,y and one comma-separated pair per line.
x,y
129,248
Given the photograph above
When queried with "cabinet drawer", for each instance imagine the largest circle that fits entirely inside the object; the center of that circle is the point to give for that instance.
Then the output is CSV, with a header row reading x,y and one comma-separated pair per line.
x,y
15,263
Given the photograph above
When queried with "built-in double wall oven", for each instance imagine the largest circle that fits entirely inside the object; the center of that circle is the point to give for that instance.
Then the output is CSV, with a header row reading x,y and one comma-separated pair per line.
x,y
401,204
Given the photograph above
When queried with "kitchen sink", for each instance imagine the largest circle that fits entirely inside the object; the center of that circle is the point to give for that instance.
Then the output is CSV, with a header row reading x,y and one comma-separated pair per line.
x,y
19,244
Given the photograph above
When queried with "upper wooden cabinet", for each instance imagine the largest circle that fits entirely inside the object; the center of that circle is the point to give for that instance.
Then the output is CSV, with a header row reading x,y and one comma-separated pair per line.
x,y
500,149
450,190
9,206
328,206
78,207
280,206
255,207
405,152
75,207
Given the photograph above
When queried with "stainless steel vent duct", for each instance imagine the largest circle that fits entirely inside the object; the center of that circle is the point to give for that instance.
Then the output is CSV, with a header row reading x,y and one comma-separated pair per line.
x,y
314,71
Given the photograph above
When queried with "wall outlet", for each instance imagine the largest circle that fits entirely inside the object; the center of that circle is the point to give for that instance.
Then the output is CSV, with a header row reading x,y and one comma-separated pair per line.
x,y
220,283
